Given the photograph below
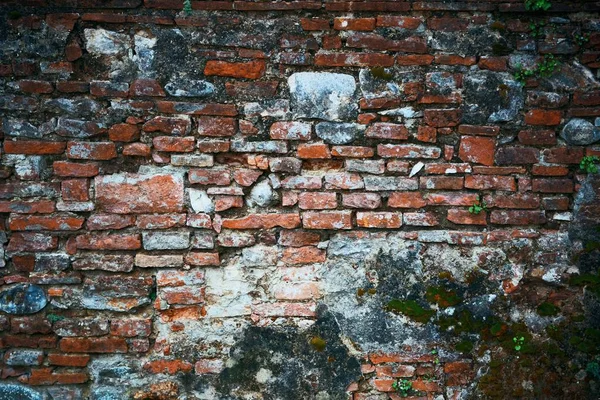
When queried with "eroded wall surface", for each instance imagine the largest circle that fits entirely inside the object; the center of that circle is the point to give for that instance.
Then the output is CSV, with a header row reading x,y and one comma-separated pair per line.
x,y
299,200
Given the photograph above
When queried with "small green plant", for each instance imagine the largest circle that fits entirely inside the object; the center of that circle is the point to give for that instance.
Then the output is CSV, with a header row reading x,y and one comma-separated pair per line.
x,y
588,164
519,341
581,38
54,318
537,5
436,360
478,207
543,69
547,66
187,7
593,368
536,29
402,386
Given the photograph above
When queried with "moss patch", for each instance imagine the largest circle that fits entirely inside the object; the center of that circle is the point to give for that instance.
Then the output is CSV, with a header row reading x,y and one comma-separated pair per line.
x,y
411,309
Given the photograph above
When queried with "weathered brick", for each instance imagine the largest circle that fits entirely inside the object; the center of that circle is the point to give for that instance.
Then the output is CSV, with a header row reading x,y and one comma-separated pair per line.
x,y
248,70
327,220
354,24
408,151
477,149
93,345
317,201
303,255
33,147
379,219
543,117
517,217
91,150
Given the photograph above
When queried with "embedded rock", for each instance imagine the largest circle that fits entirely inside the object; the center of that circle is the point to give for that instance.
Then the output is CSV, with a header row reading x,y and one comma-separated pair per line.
x,y
323,95
103,42
339,133
262,195
580,132
23,299
18,392
183,87
491,97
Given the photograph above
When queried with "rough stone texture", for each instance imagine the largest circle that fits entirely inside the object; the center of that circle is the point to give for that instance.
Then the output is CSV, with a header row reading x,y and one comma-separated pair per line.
x,y
579,132
298,200
323,95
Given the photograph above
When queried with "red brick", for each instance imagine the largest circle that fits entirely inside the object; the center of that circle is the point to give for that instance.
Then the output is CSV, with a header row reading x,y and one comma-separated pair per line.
x,y
352,151
303,255
133,193
91,150
490,182
382,130
493,63
354,24
72,86
549,170
314,150
379,219
564,155
451,199
68,360
137,149
543,117
514,200
109,221
31,242
549,185
555,203
298,238
361,200
209,366
75,190
327,220
263,221
332,42
146,87
586,99
38,87
384,385
93,345
447,24
479,130
124,133
33,147
420,219
108,242
414,59
317,201
407,151
209,177
406,200
464,217
50,223
109,89
517,155
442,118
290,130
314,24
174,144
396,21
449,59
170,367
202,259
215,126
537,138
413,44
517,217
441,182
213,146
248,70
353,60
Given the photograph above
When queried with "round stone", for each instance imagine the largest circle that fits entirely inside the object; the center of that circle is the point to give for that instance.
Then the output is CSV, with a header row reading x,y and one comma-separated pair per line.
x,y
580,132
23,299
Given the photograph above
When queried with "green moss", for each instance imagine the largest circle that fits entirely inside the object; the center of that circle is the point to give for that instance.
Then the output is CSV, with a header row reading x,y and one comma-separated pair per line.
x,y
591,281
547,309
442,297
54,318
411,309
464,346
14,14
318,343
498,26
381,73
500,49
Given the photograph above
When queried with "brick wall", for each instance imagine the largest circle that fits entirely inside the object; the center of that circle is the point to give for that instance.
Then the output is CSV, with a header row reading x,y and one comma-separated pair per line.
x,y
278,199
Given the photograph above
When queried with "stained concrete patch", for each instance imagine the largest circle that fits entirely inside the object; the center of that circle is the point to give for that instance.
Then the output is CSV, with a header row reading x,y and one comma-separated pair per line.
x,y
289,363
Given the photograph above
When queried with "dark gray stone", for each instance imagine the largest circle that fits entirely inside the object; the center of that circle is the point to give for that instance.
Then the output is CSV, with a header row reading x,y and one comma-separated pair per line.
x,y
77,128
51,262
580,132
283,363
9,391
323,95
23,299
183,87
23,357
75,107
339,133
491,97
19,128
